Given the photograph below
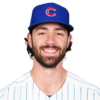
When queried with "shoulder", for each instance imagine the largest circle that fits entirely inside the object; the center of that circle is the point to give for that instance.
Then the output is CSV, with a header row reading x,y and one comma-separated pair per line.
x,y
15,85
82,84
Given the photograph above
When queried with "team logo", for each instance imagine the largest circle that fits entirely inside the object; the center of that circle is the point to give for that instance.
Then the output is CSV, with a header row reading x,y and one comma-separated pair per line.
x,y
50,8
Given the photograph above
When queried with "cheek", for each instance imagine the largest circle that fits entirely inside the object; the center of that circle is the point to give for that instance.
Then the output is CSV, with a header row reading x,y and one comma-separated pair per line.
x,y
37,43
65,43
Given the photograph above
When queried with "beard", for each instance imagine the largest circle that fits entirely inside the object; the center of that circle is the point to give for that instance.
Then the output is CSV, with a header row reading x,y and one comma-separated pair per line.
x,y
48,61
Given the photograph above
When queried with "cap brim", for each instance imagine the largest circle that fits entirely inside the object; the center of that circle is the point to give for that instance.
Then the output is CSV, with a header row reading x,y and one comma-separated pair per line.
x,y
68,27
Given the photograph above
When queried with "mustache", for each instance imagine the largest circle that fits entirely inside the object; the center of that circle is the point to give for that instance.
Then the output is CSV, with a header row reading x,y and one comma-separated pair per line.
x,y
48,46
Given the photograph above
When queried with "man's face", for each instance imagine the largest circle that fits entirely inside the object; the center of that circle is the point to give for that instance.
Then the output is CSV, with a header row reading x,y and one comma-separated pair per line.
x,y
49,36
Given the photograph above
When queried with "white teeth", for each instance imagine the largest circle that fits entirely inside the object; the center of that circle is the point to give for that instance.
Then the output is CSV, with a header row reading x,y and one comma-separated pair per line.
x,y
50,51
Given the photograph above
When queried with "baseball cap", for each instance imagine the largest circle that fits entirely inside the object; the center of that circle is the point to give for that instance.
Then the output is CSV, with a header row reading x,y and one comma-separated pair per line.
x,y
50,12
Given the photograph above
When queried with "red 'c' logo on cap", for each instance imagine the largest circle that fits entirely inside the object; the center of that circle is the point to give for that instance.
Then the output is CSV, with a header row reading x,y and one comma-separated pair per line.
x,y
50,8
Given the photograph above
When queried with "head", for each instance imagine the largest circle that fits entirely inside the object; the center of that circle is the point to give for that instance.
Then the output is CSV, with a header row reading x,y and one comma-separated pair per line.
x,y
48,36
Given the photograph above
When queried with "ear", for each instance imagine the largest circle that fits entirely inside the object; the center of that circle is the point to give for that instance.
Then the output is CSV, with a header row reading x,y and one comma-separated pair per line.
x,y
29,38
69,40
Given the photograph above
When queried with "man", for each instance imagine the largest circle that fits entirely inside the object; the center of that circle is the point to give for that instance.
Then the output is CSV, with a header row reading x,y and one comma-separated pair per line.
x,y
46,62
48,41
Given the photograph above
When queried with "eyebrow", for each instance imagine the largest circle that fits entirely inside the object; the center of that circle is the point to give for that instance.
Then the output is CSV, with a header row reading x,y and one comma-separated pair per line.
x,y
44,28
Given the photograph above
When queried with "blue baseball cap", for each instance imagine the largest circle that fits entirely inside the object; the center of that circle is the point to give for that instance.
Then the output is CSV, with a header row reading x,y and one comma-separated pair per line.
x,y
50,12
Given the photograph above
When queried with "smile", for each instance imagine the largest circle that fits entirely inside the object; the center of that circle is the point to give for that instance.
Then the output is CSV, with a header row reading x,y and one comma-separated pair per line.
x,y
50,52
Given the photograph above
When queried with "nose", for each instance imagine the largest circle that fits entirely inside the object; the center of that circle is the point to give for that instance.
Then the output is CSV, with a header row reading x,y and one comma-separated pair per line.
x,y
51,39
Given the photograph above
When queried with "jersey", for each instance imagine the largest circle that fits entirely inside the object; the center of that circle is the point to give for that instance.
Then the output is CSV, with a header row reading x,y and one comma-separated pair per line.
x,y
74,88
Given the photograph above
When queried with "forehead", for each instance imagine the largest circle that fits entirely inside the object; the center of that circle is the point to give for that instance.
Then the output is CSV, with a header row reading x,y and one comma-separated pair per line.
x,y
48,25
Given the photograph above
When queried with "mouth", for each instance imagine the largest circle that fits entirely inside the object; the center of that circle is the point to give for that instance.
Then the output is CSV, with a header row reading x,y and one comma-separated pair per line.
x,y
50,52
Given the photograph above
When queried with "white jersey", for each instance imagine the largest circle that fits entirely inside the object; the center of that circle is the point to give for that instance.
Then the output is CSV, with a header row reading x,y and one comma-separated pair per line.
x,y
74,88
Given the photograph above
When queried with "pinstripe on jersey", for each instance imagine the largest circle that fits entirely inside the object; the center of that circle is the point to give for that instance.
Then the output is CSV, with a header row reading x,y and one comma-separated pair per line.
x,y
74,88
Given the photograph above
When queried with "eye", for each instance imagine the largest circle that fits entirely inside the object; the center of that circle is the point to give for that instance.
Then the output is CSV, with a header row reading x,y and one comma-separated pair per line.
x,y
41,33
44,33
59,33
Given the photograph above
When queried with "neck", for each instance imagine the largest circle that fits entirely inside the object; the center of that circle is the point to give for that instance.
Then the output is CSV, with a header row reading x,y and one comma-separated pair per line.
x,y
48,79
